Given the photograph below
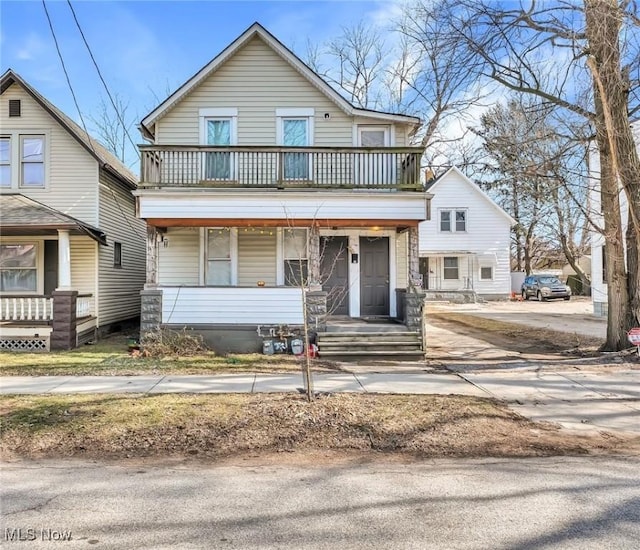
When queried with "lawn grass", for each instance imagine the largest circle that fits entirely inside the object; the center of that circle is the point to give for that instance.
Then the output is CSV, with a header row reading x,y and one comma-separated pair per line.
x,y
217,426
110,356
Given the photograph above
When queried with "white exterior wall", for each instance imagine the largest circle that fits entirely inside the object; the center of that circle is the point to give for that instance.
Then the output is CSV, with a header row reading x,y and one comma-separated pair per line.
x,y
119,288
179,261
257,81
71,172
598,286
487,237
220,205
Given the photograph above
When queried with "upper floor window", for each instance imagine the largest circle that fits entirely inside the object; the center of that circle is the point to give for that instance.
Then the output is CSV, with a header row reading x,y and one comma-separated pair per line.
x,y
218,128
5,161
117,254
32,161
23,161
295,129
453,220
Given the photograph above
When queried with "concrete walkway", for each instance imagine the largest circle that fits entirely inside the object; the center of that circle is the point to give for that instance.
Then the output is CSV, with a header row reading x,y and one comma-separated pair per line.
x,y
409,383
586,401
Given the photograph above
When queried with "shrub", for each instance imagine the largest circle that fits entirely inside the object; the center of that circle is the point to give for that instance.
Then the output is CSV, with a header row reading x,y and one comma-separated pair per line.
x,y
164,342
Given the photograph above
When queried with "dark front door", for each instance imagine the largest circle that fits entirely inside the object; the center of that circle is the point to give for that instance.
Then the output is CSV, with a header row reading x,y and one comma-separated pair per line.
x,y
374,276
50,266
334,270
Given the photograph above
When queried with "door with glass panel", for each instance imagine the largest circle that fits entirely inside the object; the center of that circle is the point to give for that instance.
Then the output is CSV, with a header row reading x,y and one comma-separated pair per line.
x,y
219,165
373,167
295,133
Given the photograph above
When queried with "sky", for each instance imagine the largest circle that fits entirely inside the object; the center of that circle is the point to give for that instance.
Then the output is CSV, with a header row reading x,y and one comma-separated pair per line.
x,y
145,49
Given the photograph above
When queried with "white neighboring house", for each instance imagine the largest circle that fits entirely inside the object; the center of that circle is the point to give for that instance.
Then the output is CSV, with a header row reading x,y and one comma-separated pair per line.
x,y
465,246
68,227
598,282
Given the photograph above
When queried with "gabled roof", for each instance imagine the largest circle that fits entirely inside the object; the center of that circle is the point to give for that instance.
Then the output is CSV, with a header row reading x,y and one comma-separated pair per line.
x,y
105,158
23,216
454,170
285,53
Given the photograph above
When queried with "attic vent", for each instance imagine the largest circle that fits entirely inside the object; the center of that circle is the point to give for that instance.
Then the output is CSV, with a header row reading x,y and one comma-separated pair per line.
x,y
14,107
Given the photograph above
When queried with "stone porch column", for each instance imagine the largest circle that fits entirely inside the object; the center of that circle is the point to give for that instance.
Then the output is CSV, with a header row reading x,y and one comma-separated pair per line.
x,y
413,260
315,282
64,334
64,260
152,257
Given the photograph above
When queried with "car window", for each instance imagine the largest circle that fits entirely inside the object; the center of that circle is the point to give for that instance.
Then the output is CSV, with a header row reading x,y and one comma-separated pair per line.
x,y
549,280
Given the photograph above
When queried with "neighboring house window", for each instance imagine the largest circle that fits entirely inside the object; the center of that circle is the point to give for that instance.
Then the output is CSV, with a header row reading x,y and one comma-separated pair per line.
x,y
5,161
218,128
18,267
32,161
295,257
453,220
486,273
219,257
117,254
295,129
450,268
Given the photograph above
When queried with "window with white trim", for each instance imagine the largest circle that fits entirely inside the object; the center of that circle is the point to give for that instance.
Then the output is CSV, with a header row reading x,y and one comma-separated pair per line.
x,y
218,128
18,267
31,161
5,161
450,268
117,254
218,262
453,221
486,273
23,160
295,129
295,256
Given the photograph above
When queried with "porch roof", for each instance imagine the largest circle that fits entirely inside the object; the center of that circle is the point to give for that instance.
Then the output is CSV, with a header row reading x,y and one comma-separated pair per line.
x,y
24,216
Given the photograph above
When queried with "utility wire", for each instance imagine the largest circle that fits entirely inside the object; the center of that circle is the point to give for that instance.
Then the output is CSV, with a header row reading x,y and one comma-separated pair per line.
x,y
95,64
75,101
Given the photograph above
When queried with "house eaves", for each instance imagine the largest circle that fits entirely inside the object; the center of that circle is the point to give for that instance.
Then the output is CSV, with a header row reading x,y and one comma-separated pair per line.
x,y
107,160
147,124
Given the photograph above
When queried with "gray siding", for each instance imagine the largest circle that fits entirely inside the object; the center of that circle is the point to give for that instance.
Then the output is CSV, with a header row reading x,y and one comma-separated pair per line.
x,y
119,288
257,81
257,257
178,263
72,173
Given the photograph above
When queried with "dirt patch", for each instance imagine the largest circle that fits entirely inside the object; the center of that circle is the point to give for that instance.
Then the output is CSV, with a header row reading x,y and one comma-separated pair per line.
x,y
223,426
518,338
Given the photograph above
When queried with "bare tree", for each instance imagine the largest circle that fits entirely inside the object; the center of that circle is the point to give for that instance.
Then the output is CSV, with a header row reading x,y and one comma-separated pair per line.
x,y
110,129
519,45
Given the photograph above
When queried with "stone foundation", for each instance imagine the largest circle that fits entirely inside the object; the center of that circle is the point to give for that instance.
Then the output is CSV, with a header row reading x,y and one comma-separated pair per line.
x,y
413,310
317,310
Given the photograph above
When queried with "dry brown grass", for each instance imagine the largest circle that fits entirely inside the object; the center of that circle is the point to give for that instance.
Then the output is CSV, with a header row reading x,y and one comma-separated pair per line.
x,y
219,426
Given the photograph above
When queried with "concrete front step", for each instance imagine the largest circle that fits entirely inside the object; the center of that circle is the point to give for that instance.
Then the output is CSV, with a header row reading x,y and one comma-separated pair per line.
x,y
347,345
367,335
337,328
392,355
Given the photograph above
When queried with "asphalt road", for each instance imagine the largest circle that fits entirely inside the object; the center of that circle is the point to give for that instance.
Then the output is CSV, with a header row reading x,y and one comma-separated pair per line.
x,y
568,503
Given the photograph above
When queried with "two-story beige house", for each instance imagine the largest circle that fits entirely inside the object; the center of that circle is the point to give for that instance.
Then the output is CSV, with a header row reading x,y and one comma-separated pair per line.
x,y
260,180
72,252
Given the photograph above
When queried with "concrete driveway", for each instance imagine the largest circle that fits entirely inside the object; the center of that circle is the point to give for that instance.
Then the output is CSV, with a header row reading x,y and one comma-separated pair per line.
x,y
575,316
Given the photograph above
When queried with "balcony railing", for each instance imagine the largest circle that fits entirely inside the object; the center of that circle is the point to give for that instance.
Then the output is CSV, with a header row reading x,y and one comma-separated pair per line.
x,y
281,167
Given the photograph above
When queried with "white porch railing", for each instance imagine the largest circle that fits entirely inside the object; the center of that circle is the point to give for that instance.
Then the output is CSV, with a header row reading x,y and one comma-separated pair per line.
x,y
26,308
84,305
232,305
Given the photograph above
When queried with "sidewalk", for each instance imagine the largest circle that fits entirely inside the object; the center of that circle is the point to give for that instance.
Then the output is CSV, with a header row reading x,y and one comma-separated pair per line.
x,y
407,383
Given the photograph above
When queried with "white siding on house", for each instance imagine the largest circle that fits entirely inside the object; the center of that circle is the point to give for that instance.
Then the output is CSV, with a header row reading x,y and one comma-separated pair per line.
x,y
119,287
229,305
83,267
487,237
179,261
257,81
257,256
72,172
402,267
296,205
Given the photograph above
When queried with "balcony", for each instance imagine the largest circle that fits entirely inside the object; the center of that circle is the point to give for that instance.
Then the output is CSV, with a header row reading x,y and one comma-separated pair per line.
x,y
389,168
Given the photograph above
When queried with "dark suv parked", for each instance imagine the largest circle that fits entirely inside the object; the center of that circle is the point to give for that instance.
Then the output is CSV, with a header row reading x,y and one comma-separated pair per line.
x,y
545,287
